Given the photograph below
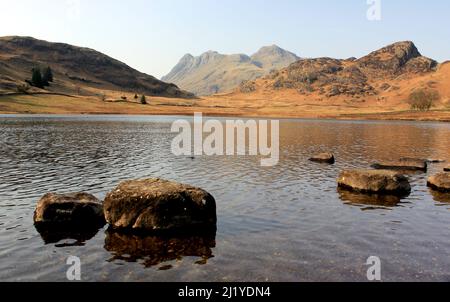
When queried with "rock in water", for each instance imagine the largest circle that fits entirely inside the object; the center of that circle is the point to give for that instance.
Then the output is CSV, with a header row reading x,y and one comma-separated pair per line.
x,y
77,209
374,182
447,169
403,164
159,205
440,182
323,158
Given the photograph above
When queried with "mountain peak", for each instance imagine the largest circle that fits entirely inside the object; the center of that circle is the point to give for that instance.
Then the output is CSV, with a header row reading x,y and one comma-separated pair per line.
x,y
212,72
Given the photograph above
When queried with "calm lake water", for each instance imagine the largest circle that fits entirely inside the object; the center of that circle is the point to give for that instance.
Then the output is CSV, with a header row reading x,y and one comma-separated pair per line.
x,y
283,223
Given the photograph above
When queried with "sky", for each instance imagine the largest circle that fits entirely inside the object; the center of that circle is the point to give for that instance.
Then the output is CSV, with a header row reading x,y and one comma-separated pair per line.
x,y
152,35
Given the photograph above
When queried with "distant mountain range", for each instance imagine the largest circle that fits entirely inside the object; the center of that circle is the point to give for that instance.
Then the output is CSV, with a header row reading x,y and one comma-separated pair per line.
x,y
74,68
213,72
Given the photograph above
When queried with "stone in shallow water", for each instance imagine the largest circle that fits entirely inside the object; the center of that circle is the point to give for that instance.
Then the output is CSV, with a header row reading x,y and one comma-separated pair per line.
x,y
447,169
323,158
440,182
159,205
374,182
80,210
404,164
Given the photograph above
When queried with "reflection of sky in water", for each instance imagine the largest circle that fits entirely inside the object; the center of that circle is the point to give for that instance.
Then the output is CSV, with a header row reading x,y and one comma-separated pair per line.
x,y
284,223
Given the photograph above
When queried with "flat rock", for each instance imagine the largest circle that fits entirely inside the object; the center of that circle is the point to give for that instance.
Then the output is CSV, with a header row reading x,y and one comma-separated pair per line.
x,y
440,182
404,164
77,209
374,182
323,158
159,205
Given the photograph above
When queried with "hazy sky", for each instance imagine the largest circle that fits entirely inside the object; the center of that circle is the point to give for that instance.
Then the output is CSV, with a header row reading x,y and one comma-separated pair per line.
x,y
152,35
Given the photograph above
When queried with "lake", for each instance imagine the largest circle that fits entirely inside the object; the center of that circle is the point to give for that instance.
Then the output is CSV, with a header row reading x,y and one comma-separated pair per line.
x,y
281,223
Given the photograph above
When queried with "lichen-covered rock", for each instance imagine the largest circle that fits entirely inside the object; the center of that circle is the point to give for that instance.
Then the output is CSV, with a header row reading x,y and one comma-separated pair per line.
x,y
374,181
159,205
77,209
440,182
323,158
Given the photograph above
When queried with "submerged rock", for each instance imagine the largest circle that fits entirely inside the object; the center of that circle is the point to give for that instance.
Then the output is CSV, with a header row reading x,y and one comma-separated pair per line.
x,y
440,182
159,205
404,164
374,182
369,201
80,210
323,158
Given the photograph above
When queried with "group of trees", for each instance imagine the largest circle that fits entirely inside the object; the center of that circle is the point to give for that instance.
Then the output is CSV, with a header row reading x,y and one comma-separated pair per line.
x,y
143,99
41,79
423,99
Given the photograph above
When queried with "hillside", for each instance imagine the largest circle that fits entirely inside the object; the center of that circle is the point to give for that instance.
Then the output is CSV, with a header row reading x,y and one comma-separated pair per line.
x,y
383,79
213,72
77,71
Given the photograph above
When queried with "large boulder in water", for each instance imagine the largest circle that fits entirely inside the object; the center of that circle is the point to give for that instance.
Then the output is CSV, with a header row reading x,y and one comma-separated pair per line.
x,y
374,182
404,164
159,205
76,209
440,182
327,158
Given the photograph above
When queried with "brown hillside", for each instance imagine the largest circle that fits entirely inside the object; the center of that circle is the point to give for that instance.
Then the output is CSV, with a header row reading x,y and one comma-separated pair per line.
x,y
76,70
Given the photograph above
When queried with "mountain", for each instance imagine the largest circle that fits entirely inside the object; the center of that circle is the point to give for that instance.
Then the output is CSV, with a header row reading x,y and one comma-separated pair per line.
x,y
74,68
213,72
369,76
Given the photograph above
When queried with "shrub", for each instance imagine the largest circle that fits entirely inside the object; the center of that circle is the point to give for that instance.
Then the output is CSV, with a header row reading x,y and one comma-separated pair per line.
x,y
423,99
23,88
143,100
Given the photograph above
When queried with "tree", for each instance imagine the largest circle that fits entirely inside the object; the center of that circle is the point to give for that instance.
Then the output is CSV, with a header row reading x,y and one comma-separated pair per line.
x,y
136,97
423,99
143,100
36,78
47,77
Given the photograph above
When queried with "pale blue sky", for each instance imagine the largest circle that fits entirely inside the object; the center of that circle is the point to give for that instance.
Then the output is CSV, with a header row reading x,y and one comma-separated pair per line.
x,y
152,35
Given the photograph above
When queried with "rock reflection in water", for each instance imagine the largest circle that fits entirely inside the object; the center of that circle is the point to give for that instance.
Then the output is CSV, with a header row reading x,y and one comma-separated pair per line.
x,y
156,249
375,200
440,197
58,233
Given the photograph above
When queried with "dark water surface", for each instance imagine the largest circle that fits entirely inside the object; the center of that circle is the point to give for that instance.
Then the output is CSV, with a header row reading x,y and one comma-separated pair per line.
x,y
284,223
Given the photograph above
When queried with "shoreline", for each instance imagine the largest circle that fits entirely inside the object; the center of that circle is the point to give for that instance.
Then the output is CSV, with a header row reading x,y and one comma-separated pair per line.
x,y
159,106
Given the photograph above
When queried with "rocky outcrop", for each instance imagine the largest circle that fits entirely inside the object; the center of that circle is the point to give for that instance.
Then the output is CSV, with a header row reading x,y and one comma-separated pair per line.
x,y
159,205
440,182
374,181
327,158
79,210
403,164
355,79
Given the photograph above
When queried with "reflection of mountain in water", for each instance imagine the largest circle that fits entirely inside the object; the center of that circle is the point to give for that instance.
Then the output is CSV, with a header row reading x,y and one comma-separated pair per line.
x,y
378,201
154,250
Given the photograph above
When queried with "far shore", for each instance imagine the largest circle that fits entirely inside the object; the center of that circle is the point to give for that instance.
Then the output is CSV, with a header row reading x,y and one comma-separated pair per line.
x,y
158,106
